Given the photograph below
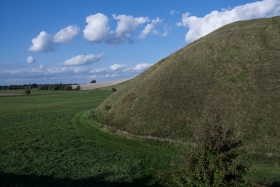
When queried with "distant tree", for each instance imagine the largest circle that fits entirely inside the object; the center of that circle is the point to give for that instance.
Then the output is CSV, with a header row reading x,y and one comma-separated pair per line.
x,y
93,81
34,85
78,87
55,87
27,91
67,87
114,89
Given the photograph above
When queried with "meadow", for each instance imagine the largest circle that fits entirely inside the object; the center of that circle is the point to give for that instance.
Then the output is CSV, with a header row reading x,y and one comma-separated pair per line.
x,y
48,138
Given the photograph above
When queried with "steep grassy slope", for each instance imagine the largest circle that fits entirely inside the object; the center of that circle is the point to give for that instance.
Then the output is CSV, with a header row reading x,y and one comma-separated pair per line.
x,y
233,72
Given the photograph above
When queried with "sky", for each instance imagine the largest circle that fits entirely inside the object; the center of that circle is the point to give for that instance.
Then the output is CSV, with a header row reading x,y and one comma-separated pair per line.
x,y
76,41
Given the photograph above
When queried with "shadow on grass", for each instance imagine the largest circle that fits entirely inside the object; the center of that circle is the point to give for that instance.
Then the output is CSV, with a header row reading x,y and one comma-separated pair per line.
x,y
15,180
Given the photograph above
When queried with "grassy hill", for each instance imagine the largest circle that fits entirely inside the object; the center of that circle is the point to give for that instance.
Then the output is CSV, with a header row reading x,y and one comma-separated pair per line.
x,y
233,73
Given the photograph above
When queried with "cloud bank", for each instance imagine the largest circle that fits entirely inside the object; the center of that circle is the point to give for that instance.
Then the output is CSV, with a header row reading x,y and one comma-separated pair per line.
x,y
43,74
199,27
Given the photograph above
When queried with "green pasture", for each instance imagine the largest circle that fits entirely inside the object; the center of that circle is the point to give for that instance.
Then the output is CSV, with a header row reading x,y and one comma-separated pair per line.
x,y
48,138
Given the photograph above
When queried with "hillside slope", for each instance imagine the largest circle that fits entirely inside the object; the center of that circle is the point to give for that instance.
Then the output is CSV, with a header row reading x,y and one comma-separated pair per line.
x,y
234,72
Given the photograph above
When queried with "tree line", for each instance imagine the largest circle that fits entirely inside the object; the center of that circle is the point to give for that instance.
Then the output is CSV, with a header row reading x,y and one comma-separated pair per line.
x,y
38,86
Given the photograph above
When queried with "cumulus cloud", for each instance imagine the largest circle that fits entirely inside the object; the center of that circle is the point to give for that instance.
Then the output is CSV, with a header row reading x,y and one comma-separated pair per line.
x,y
150,28
66,34
43,43
116,67
82,60
141,67
199,27
127,25
97,28
137,68
30,60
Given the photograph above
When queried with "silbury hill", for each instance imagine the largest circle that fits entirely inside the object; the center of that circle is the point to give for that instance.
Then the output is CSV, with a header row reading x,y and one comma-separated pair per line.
x,y
232,74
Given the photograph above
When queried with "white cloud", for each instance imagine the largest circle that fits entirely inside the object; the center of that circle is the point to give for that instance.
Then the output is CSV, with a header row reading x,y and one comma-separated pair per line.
x,y
141,67
43,70
66,34
82,60
43,74
43,43
126,27
150,28
199,27
97,29
98,70
116,67
138,68
30,60
173,12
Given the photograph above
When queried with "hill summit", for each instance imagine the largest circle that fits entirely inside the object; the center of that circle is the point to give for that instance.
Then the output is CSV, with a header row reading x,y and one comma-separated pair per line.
x,y
232,74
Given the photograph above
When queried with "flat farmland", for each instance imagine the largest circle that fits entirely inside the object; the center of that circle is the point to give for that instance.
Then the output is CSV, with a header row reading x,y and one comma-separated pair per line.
x,y
48,139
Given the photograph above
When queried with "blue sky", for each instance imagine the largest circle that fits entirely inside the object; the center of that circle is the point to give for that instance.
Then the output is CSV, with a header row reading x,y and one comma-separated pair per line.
x,y
74,41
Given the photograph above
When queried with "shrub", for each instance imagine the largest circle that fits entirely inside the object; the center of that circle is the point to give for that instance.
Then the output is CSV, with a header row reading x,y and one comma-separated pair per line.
x,y
114,89
212,162
27,91
93,81
78,87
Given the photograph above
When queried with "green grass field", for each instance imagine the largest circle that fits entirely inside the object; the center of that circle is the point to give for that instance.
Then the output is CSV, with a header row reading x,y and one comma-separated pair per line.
x,y
49,139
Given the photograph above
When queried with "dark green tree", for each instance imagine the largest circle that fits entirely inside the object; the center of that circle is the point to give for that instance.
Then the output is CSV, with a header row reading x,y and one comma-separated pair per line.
x,y
78,87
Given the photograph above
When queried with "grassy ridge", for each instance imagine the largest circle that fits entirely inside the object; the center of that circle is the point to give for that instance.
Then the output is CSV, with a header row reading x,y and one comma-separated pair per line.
x,y
232,73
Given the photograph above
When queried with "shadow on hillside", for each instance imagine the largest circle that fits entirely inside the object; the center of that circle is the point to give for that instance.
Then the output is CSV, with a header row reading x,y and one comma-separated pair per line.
x,y
15,180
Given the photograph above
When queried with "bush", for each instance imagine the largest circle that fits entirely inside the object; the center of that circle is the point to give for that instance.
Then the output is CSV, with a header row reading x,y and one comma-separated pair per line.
x,y
27,91
212,162
78,87
93,81
114,89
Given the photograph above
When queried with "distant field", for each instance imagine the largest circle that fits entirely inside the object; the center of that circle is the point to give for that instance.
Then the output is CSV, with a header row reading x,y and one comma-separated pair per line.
x,y
49,139
99,85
